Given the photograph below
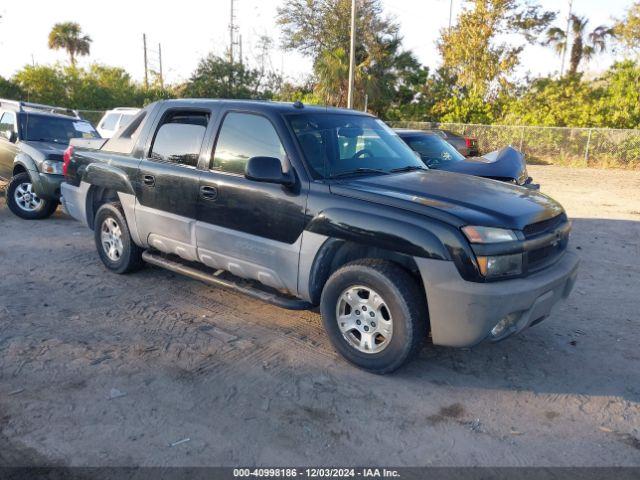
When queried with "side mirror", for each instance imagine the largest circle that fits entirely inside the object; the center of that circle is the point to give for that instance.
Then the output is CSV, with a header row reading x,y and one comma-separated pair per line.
x,y
267,170
10,135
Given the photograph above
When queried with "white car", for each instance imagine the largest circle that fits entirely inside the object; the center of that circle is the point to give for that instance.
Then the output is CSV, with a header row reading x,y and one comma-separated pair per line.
x,y
115,119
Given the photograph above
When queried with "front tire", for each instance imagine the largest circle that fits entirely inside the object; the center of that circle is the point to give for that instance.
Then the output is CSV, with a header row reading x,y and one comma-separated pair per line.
x,y
113,240
25,203
375,314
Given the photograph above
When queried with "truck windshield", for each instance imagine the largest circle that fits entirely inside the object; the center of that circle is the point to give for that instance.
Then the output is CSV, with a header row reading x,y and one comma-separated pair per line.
x,y
340,145
42,128
434,150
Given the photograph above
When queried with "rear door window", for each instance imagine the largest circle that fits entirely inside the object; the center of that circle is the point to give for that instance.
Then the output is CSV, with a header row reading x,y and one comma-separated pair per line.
x,y
179,138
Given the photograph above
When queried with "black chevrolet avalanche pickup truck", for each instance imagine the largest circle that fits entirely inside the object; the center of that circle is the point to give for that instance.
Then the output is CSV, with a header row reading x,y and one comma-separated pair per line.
x,y
304,206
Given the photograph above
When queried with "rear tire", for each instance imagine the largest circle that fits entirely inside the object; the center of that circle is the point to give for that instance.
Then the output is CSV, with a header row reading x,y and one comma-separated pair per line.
x,y
113,240
375,314
25,203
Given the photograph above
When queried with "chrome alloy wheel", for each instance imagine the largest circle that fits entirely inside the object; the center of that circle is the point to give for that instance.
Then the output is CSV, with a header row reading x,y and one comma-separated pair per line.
x,y
111,237
364,319
26,198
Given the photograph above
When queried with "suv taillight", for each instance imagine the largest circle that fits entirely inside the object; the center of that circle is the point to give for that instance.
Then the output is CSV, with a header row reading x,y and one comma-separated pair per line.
x,y
66,160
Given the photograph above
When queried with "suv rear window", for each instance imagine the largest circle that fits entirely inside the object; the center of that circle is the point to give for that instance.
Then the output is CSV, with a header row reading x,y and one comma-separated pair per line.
x,y
110,121
179,138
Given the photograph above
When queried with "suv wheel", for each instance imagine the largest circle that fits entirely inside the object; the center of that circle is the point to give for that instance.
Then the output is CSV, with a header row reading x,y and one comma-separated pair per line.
x,y
24,202
375,314
113,240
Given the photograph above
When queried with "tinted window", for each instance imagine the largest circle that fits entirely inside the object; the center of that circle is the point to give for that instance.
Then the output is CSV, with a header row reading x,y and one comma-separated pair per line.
x,y
7,122
179,138
434,150
42,128
243,136
110,121
340,144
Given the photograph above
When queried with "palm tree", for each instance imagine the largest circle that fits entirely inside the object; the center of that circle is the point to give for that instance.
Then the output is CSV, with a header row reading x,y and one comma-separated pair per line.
x,y
68,36
584,46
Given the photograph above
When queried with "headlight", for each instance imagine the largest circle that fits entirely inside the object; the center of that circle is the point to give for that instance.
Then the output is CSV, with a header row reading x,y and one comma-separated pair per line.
x,y
51,166
488,234
500,265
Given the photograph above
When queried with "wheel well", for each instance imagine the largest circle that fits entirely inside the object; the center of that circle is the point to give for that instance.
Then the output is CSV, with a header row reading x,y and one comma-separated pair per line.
x,y
96,197
336,253
19,169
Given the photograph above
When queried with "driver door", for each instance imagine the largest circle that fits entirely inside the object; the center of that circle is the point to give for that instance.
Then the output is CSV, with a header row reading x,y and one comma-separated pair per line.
x,y
251,229
8,150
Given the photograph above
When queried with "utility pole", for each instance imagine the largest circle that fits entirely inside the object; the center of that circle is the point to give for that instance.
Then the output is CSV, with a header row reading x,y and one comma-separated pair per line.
x,y
450,12
352,55
231,30
160,64
240,48
566,39
146,63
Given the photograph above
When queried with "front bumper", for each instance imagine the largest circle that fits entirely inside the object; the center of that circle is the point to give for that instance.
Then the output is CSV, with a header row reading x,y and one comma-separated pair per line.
x,y
462,313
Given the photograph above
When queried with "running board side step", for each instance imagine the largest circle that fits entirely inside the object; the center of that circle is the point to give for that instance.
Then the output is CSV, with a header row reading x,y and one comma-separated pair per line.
x,y
272,297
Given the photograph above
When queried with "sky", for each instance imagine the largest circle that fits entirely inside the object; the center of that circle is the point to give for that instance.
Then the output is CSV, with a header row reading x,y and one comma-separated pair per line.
x,y
190,29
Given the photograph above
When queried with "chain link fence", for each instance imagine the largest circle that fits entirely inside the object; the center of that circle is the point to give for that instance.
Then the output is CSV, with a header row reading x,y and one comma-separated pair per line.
x,y
581,147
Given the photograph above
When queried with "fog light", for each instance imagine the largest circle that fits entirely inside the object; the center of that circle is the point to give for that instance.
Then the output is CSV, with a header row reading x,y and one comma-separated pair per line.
x,y
505,324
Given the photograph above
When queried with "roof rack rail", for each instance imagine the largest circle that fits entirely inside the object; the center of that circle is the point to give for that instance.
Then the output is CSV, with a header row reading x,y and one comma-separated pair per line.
x,y
124,109
24,106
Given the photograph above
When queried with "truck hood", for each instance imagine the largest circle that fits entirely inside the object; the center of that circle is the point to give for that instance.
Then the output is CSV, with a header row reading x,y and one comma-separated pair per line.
x,y
453,198
43,150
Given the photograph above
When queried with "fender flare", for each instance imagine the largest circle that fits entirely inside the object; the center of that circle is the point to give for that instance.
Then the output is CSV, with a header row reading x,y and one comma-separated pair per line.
x,y
108,177
423,239
31,167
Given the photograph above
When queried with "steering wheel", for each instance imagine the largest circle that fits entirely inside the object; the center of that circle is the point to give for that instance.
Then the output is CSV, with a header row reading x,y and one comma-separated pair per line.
x,y
364,151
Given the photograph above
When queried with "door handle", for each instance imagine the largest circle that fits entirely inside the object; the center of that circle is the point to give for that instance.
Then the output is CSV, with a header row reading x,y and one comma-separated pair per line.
x,y
208,192
149,180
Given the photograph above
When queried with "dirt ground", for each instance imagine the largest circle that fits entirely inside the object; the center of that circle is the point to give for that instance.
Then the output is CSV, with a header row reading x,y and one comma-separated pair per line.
x,y
100,369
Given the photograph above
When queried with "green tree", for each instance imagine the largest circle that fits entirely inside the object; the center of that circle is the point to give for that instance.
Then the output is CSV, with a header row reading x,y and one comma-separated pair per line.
x,y
216,77
9,89
627,29
619,102
68,36
584,46
476,51
321,29
565,102
42,84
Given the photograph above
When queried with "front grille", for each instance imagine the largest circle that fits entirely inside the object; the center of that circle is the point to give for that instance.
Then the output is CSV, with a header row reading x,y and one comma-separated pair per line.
x,y
535,229
549,253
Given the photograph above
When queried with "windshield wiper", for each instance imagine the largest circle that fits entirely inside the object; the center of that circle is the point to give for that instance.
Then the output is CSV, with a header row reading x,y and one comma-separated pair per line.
x,y
408,168
358,171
